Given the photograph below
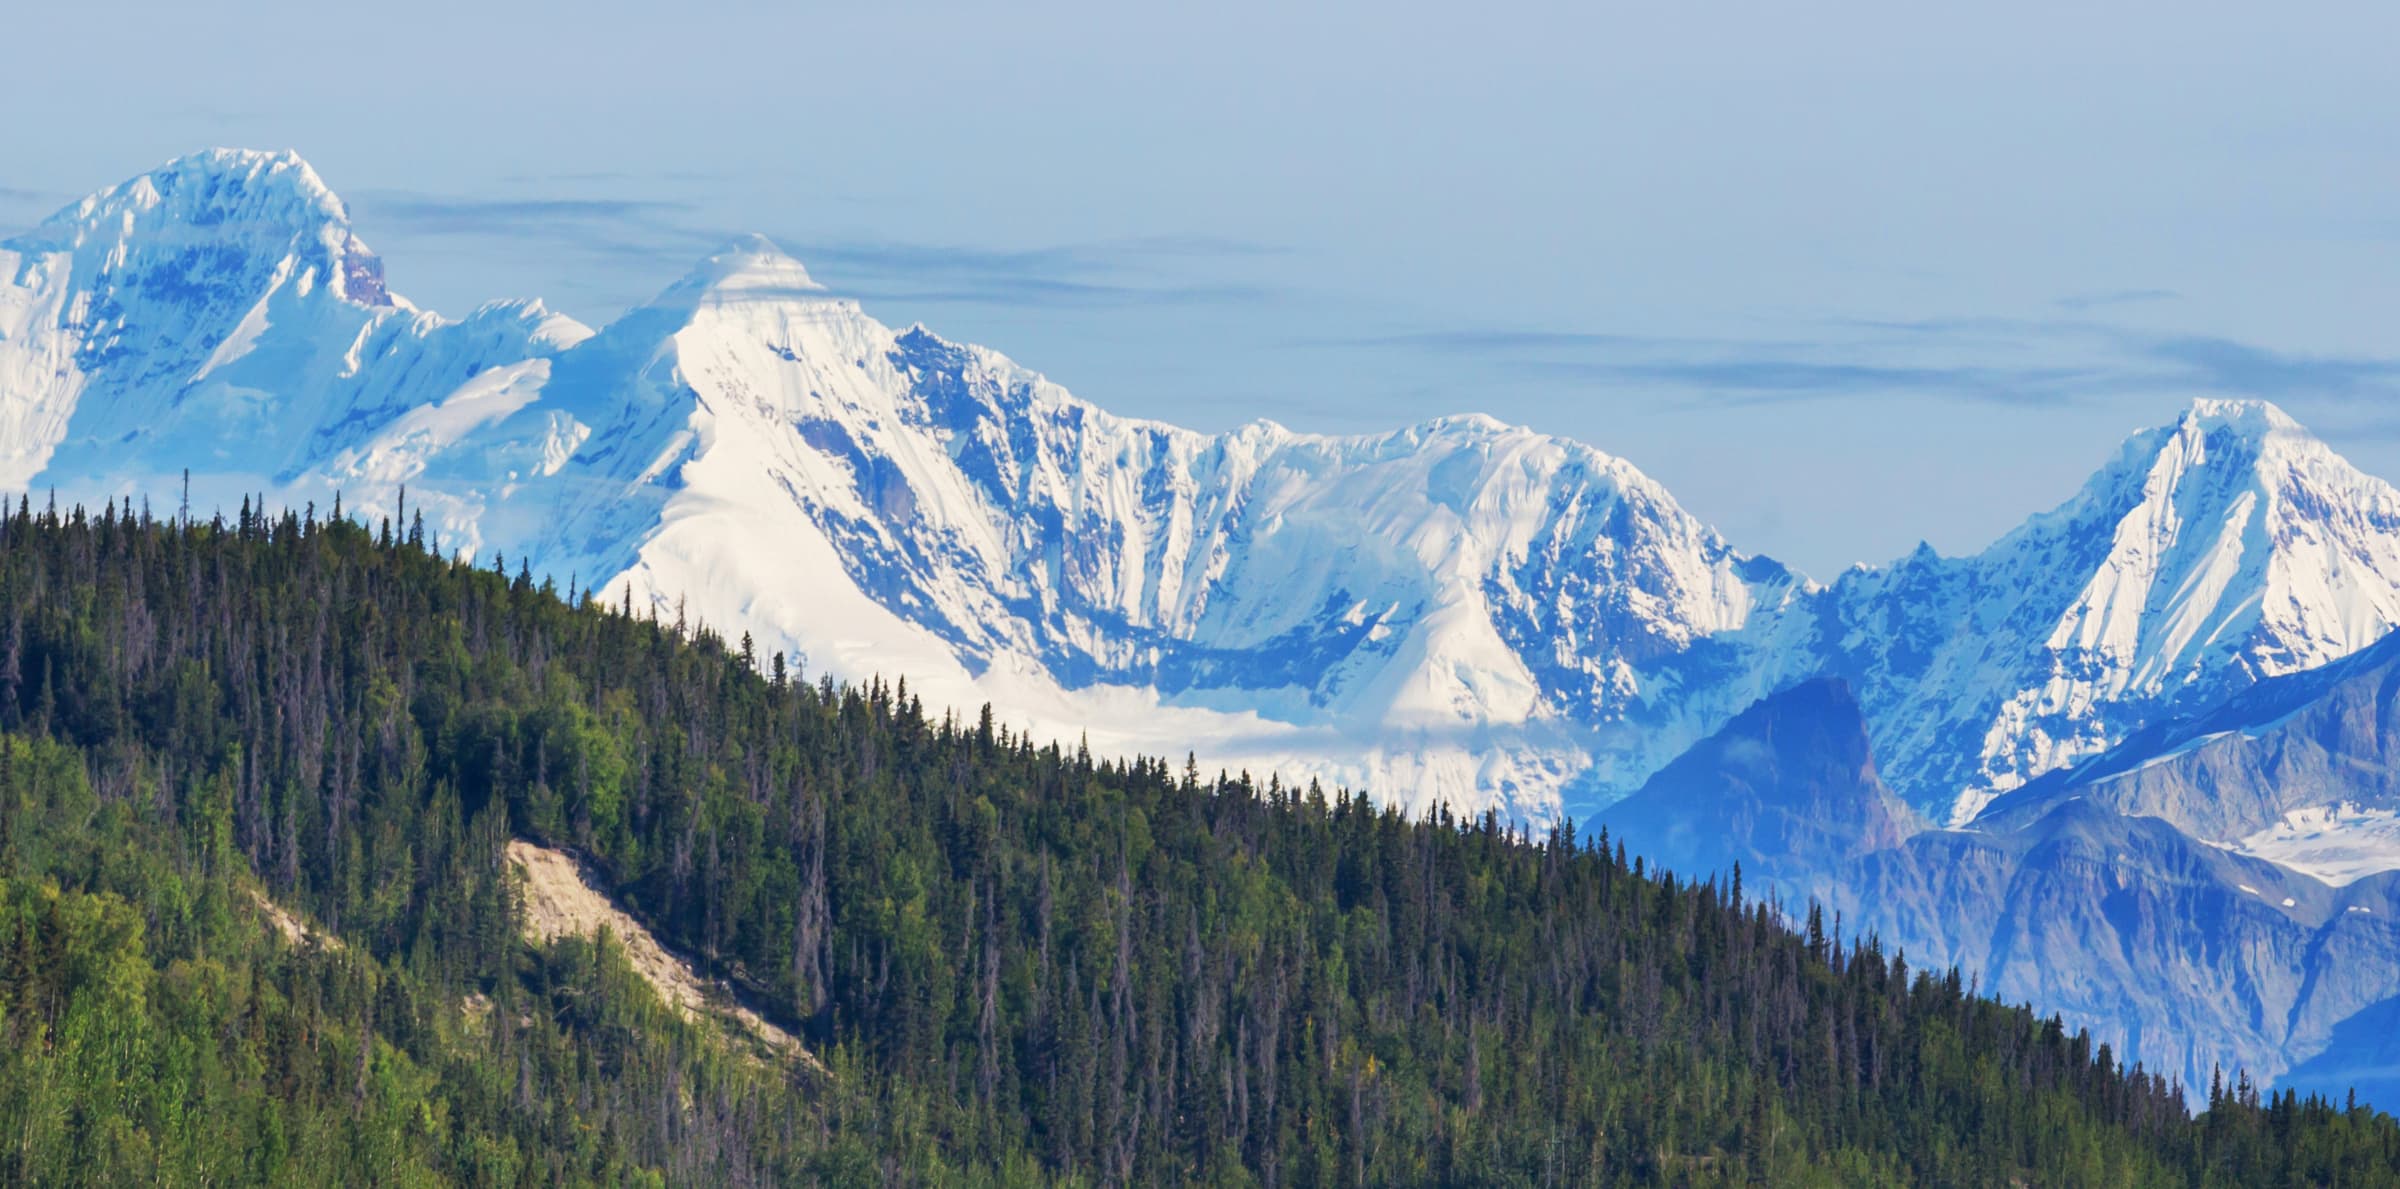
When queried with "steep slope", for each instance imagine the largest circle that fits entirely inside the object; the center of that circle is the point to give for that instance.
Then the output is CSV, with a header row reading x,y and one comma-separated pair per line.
x,y
2184,955
2299,769
219,315
2180,954
560,901
1787,790
2226,547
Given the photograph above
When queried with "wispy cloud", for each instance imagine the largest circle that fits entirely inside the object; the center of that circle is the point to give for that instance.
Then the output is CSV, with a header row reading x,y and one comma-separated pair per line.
x,y
1053,291
482,215
1510,342
212,116
1860,359
1764,378
2081,302
610,177
660,234
645,236
1153,270
21,208
2029,361
642,228
2225,365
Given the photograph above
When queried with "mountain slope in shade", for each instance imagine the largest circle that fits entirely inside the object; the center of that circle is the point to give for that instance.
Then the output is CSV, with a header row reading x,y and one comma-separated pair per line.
x,y
2192,955
2181,954
2303,770
1785,790
1458,610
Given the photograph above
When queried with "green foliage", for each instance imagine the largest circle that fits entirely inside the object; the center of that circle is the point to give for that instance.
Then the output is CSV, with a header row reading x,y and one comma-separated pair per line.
x,y
1018,964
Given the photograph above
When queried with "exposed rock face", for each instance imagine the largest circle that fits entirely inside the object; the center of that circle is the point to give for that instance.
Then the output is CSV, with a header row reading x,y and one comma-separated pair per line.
x,y
2182,955
2325,738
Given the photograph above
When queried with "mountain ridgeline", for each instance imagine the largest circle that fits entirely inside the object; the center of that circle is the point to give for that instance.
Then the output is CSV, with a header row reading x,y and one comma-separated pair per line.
x,y
1016,963
1458,611
2101,893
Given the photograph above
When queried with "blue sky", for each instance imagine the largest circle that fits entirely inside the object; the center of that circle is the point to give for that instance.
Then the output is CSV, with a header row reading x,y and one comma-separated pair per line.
x,y
1843,276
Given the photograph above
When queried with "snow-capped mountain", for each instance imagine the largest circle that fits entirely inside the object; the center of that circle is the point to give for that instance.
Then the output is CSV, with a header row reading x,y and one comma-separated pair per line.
x,y
1449,610
2226,547
1457,610
219,314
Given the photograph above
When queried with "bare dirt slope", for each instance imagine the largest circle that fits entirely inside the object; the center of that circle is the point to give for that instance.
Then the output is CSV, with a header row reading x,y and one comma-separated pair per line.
x,y
559,901
294,930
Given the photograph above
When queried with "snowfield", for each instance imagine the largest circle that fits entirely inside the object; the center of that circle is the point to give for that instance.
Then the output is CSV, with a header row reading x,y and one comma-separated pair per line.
x,y
2339,844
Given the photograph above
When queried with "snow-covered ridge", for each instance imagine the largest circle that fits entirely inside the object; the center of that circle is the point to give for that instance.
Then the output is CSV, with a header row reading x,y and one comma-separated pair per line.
x,y
1458,610
2209,553
218,313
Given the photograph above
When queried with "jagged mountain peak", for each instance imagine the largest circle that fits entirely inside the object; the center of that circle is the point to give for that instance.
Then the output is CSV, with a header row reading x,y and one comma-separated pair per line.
x,y
2216,447
743,307
2220,451
2235,506
221,225
219,313
2226,545
1474,424
2259,433
548,329
212,188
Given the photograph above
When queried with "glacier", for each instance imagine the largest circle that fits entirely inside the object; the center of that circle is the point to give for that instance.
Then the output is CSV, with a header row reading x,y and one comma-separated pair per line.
x,y
1458,611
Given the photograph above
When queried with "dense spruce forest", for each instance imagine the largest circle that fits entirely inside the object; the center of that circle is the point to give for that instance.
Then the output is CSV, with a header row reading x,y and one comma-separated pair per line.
x,y
1017,962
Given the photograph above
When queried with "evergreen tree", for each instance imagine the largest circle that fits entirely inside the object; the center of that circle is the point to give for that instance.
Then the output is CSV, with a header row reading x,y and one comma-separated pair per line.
x,y
258,786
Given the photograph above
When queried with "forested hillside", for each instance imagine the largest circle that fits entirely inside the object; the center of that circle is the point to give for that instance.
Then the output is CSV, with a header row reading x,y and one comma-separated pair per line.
x,y
1019,963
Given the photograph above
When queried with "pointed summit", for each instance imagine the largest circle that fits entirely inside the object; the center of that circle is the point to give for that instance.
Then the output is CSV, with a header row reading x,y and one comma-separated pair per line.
x,y
748,268
2225,436
2225,546
2218,453
221,217
1787,787
2210,437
